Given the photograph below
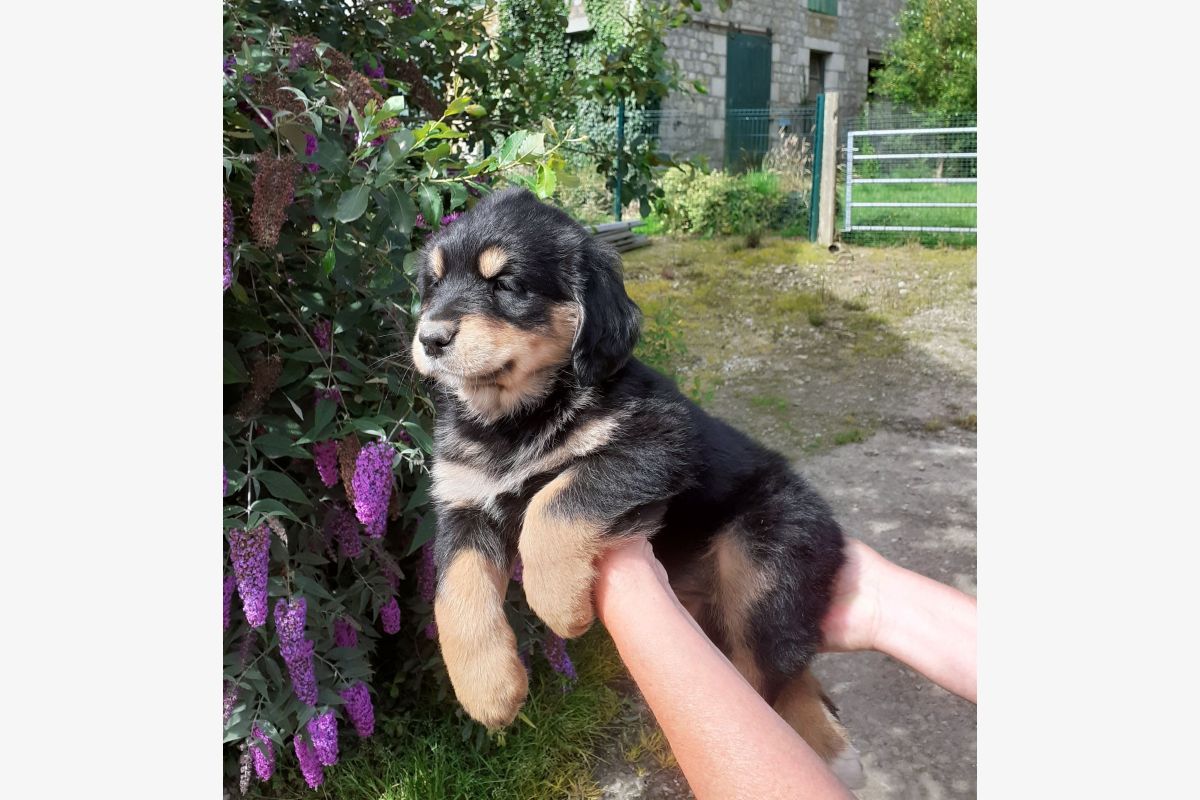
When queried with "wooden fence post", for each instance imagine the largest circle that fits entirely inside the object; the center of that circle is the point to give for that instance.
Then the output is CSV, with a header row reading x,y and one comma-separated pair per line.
x,y
826,228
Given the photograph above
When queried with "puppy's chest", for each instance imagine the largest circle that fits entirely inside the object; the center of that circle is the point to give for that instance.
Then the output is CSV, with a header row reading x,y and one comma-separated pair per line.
x,y
500,478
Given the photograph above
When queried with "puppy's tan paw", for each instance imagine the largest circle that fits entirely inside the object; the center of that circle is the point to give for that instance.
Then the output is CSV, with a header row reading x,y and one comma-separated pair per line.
x,y
558,551
561,596
478,645
491,685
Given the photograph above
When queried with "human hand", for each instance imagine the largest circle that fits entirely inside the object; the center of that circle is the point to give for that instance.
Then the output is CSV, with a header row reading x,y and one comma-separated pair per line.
x,y
855,613
623,566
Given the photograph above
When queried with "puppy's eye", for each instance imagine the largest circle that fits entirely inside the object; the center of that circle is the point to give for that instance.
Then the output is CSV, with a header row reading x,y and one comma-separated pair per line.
x,y
507,283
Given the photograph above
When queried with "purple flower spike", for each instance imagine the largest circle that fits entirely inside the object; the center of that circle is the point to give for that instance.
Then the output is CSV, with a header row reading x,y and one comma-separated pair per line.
x,y
556,653
427,574
373,72
403,9
345,530
304,52
344,634
310,144
227,240
290,618
518,571
229,698
431,631
321,332
358,708
230,63
446,220
264,754
230,583
323,731
297,651
250,553
310,765
372,486
390,614
325,454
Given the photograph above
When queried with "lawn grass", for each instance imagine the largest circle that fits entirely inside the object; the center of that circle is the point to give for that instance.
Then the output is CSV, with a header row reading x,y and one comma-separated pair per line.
x,y
422,755
923,217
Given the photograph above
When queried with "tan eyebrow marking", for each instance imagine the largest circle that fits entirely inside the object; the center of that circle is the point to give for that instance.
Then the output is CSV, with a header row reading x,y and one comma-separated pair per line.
x,y
436,263
491,261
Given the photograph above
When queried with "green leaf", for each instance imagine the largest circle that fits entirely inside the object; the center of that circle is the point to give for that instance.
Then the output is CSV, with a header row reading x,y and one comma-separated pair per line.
x,y
274,445
419,436
281,486
328,261
437,153
400,143
269,508
511,146
533,145
458,195
311,587
430,200
235,370
425,531
457,106
352,204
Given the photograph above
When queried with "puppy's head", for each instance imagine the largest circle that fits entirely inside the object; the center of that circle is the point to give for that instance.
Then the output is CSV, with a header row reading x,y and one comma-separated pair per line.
x,y
514,293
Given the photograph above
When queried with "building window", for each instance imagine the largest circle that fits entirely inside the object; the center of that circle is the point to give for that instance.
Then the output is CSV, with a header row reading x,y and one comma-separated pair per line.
x,y
823,7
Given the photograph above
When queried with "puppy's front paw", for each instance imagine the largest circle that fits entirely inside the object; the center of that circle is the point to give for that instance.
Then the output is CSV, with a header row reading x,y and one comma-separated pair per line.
x,y
490,684
560,592
478,645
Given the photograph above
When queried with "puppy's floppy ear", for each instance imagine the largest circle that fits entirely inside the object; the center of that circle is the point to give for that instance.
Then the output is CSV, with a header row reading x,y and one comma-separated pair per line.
x,y
610,323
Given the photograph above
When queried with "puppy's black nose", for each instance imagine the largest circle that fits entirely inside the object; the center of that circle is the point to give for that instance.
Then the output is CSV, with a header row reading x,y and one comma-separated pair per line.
x,y
437,336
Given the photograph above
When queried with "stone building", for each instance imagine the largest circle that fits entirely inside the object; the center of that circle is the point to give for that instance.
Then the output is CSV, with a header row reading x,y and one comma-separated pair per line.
x,y
763,61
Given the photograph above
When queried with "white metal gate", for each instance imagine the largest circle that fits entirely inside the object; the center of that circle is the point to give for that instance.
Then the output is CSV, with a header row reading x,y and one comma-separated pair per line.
x,y
888,169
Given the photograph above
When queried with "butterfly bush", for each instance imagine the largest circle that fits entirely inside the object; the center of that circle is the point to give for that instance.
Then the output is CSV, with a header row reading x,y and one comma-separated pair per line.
x,y
319,248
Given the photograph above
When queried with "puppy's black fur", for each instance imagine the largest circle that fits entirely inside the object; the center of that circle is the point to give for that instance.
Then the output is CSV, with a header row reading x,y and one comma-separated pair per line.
x,y
651,460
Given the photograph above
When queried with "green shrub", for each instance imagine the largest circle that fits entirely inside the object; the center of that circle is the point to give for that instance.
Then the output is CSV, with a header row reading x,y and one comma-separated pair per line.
x,y
716,203
332,179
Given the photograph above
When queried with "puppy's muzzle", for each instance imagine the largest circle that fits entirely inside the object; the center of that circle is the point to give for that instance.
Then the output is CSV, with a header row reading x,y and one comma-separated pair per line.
x,y
436,336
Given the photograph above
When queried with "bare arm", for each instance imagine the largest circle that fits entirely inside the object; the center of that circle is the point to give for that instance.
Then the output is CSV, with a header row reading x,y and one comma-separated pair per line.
x,y
727,740
927,625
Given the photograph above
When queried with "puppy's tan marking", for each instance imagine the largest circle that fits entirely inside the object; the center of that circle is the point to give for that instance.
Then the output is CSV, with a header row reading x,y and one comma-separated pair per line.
x,y
800,704
478,645
437,263
491,261
738,584
558,553
530,357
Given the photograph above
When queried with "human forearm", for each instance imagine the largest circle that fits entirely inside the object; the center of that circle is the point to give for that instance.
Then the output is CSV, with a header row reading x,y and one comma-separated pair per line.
x,y
727,740
930,627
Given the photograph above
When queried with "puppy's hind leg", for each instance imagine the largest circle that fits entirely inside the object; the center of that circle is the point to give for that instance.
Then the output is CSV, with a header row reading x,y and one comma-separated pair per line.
x,y
804,706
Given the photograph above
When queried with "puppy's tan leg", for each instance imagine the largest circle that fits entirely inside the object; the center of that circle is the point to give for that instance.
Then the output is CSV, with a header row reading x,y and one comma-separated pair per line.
x,y
558,551
801,704
478,645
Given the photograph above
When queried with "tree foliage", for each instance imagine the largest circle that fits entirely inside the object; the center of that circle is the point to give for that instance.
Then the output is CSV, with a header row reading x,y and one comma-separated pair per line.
x,y
931,66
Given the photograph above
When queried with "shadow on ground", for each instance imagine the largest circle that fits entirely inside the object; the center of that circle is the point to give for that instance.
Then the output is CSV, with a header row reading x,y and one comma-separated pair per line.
x,y
861,368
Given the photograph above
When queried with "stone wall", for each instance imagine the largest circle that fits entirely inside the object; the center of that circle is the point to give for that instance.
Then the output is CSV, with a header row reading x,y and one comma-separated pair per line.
x,y
694,124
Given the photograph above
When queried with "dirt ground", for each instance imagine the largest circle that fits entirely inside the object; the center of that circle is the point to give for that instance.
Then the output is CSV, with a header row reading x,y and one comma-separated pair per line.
x,y
860,366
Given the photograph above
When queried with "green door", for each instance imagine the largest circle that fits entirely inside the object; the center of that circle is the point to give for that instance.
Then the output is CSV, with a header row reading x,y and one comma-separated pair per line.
x,y
747,98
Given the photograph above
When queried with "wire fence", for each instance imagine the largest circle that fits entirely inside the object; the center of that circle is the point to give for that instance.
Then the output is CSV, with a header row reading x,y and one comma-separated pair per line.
x,y
739,141
909,176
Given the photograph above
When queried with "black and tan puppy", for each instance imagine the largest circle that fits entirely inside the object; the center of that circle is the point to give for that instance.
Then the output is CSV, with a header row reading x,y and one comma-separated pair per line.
x,y
552,442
